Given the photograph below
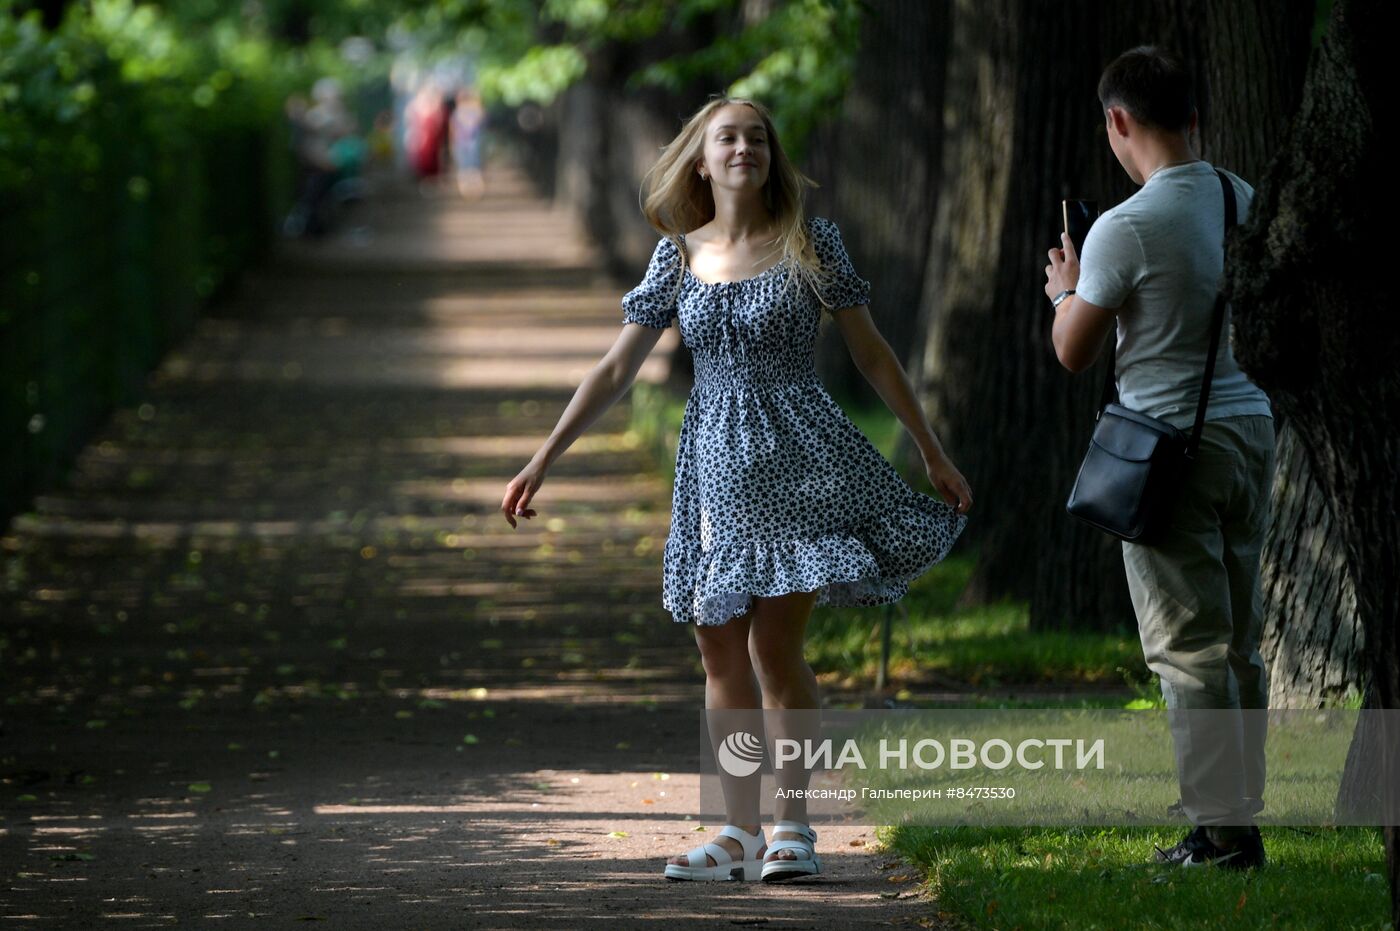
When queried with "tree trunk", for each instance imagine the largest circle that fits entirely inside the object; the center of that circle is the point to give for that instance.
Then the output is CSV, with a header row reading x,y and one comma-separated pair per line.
x,y
1312,636
1311,285
1019,129
1023,126
881,180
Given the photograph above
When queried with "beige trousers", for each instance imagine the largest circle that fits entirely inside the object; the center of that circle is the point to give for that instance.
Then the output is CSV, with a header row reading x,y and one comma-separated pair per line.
x,y
1200,612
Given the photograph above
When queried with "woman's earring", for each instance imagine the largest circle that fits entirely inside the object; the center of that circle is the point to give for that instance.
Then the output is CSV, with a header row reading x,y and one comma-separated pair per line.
x,y
703,176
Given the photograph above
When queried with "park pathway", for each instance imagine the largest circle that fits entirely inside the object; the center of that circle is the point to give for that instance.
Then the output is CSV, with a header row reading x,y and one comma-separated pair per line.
x,y
272,654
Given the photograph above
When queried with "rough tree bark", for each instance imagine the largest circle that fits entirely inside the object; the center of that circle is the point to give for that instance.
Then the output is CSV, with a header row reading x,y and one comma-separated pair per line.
x,y
1312,294
1312,636
1024,130
878,167
1018,127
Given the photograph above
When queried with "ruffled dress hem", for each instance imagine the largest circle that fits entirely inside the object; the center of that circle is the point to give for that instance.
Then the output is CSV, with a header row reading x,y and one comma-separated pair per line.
x,y
840,567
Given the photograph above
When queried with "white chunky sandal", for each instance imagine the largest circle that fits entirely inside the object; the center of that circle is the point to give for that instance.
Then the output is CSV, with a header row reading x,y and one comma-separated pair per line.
x,y
782,868
726,867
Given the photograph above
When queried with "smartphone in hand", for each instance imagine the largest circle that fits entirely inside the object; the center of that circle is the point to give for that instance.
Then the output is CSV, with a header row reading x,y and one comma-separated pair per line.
x,y
1079,215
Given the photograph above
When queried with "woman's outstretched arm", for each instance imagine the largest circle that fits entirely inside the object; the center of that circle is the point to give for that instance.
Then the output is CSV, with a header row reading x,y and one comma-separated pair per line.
x,y
878,363
599,390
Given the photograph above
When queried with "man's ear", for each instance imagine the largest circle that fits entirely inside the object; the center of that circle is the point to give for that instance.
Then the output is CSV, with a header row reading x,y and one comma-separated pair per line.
x,y
1118,120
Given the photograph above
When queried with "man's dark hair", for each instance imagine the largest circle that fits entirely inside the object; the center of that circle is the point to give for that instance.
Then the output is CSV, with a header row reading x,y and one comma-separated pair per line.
x,y
1153,85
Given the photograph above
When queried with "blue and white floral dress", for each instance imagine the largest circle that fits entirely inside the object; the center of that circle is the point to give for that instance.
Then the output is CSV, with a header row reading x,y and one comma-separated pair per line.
x,y
776,489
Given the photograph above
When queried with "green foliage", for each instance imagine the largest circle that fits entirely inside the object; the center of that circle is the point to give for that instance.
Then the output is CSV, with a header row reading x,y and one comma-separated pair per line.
x,y
798,60
541,74
116,74
192,61
141,161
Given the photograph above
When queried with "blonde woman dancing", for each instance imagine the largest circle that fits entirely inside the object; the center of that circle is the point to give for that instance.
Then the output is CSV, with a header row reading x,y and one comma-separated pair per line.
x,y
780,503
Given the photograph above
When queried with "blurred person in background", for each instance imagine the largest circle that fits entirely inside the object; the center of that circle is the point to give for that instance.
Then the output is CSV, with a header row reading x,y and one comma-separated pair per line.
x,y
426,132
330,155
468,126
381,140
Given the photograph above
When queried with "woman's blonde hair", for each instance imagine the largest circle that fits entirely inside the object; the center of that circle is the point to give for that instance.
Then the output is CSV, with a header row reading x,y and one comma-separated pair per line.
x,y
676,200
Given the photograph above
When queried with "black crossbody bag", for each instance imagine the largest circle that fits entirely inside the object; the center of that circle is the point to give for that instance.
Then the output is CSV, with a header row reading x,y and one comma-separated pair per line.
x,y
1135,464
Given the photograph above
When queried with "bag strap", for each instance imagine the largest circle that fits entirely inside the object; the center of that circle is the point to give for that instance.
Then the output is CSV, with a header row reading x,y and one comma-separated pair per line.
x,y
1110,384
1217,323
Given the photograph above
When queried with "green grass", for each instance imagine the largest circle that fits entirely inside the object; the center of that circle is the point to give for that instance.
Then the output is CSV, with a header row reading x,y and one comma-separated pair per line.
x,y
656,418
1134,786
1101,878
982,647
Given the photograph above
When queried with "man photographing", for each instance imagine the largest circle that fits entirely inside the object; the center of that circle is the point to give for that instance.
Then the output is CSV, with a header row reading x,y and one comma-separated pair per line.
x,y
1153,265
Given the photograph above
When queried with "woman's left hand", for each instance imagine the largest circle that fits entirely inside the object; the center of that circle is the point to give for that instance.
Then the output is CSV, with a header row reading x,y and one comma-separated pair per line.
x,y
949,482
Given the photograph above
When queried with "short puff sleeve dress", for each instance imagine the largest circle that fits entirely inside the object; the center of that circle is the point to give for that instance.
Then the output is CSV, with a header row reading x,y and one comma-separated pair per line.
x,y
776,489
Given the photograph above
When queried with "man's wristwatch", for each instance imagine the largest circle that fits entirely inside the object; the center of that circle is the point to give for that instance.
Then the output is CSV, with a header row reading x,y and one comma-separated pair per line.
x,y
1059,298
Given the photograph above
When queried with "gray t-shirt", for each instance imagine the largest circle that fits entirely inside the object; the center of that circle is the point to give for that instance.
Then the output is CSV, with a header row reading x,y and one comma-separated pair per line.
x,y
1157,258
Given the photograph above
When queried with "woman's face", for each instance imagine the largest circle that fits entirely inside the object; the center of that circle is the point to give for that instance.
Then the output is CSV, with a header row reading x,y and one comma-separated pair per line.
x,y
736,153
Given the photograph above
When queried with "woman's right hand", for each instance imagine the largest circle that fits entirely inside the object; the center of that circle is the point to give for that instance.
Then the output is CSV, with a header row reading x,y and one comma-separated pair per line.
x,y
519,492
949,482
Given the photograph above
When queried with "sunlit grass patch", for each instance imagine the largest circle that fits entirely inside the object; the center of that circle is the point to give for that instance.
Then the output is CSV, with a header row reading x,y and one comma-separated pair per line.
x,y
1103,878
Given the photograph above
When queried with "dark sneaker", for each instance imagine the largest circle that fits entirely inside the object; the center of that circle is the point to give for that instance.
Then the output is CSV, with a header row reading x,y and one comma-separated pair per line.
x,y
1197,849
1182,851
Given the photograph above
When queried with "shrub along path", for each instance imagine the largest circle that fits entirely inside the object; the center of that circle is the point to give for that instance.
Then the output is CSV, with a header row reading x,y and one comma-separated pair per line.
x,y
272,653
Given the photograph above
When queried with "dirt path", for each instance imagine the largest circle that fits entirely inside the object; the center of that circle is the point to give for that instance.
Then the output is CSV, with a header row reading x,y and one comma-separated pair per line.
x,y
272,655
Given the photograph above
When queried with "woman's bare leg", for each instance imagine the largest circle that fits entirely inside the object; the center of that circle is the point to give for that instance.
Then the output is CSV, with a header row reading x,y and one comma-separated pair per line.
x,y
730,686
777,629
